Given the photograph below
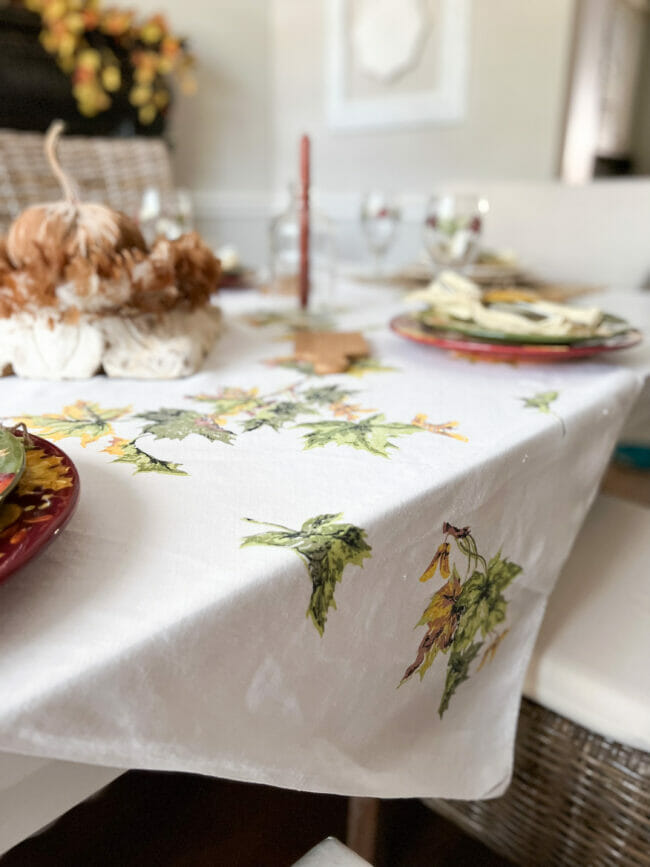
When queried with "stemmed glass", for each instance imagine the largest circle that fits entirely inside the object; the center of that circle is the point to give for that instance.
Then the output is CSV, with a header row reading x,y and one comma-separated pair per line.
x,y
452,229
165,212
380,215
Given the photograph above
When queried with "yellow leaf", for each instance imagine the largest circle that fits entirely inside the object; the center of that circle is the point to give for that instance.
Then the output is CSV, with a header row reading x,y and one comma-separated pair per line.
x,y
147,114
43,472
111,78
140,95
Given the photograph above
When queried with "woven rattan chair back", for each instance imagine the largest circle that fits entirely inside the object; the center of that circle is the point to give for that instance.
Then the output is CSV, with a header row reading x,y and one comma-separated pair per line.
x,y
114,171
575,799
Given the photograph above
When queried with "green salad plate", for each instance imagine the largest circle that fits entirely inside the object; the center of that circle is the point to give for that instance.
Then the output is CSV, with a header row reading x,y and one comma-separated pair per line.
x,y
12,461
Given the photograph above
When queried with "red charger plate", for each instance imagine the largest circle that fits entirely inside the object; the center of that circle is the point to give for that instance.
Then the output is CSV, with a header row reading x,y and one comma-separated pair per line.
x,y
412,329
39,507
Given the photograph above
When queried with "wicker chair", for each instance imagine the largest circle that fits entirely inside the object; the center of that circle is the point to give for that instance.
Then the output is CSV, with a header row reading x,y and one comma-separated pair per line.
x,y
578,796
115,171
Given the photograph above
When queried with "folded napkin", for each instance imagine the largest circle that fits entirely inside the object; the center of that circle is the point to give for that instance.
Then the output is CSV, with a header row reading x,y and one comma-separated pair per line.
x,y
454,297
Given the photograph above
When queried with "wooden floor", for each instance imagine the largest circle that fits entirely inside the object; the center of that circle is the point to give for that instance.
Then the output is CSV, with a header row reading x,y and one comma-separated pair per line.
x,y
181,820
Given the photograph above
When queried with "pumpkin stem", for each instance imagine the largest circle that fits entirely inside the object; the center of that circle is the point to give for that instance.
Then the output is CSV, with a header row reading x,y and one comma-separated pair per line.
x,y
51,142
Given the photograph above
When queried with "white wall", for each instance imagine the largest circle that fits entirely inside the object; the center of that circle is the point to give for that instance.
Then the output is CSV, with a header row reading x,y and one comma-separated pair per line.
x,y
519,54
222,134
261,78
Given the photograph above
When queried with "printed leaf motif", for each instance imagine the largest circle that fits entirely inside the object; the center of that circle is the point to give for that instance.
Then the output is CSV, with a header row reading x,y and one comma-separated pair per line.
x,y
457,673
327,394
441,618
361,366
372,434
542,403
462,613
83,420
276,415
292,320
231,401
489,654
176,424
326,546
128,453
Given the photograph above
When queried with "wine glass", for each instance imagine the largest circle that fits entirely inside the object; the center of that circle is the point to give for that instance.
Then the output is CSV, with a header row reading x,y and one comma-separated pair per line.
x,y
380,216
452,229
166,213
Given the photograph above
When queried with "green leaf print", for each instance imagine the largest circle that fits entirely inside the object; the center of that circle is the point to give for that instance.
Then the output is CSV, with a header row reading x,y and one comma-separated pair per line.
x,y
326,394
361,366
542,403
326,546
176,424
462,613
129,453
276,415
457,673
231,401
373,434
83,420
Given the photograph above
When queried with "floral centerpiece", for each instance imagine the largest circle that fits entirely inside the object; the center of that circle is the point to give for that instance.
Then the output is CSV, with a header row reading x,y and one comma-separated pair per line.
x,y
110,61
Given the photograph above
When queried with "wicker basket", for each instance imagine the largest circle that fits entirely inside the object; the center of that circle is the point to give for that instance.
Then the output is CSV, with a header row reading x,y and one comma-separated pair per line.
x,y
575,799
114,171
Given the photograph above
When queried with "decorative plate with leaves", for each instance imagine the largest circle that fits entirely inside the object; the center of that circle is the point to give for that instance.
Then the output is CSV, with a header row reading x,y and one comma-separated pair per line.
x,y
412,329
12,461
40,505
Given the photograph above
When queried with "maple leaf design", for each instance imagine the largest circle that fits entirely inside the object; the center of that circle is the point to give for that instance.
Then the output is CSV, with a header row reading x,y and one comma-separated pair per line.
x,y
441,618
231,401
326,546
361,366
327,394
358,368
43,472
542,403
276,415
176,424
373,434
462,613
457,673
490,652
445,428
83,420
127,452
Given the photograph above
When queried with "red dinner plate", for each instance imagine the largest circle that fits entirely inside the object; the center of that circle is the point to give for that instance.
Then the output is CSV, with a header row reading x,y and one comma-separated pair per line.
x,y
39,507
412,329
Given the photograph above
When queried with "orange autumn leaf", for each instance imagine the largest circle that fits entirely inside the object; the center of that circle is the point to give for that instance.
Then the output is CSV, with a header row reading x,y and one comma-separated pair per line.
x,y
441,620
43,472
445,428
489,654
9,514
18,537
441,556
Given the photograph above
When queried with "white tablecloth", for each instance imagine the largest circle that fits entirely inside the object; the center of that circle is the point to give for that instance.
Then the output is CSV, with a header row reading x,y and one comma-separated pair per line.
x,y
155,633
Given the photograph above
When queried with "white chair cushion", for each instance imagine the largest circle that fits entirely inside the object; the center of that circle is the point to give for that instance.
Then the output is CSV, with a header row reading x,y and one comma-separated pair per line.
x,y
331,853
591,660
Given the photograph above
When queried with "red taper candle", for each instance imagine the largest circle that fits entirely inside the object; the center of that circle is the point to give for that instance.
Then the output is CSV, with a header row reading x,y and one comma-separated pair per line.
x,y
303,279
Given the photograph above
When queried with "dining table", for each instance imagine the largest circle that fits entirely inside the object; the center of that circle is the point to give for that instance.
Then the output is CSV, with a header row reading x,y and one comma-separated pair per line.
x,y
331,583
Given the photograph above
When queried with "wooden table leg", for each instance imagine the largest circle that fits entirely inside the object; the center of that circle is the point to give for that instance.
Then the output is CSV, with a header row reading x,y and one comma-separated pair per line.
x,y
363,816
